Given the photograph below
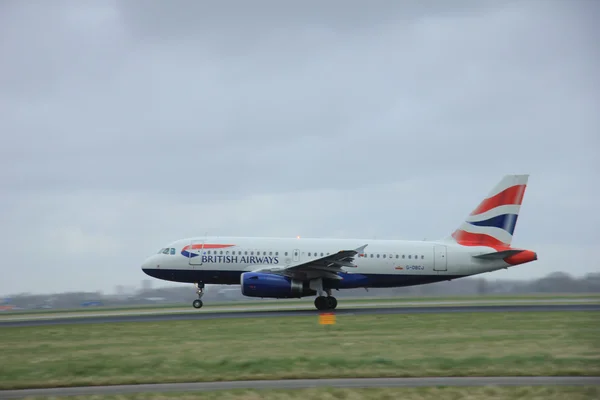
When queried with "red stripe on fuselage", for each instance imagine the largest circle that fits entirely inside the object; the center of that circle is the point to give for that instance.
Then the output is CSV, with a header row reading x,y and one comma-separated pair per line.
x,y
203,246
509,196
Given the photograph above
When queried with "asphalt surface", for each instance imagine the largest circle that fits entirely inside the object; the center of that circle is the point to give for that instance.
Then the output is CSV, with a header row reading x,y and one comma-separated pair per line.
x,y
202,315
304,383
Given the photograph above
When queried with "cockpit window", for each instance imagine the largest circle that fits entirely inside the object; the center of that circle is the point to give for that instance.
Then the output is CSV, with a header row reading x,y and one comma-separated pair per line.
x,y
167,250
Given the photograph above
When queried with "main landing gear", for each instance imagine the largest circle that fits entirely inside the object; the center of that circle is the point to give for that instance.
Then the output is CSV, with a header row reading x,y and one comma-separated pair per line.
x,y
200,291
325,303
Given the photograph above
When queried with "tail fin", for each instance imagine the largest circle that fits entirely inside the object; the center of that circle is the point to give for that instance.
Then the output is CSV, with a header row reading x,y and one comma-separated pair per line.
x,y
493,222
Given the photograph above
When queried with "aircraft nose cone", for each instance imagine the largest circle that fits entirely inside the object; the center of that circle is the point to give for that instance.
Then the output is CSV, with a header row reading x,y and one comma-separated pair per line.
x,y
150,263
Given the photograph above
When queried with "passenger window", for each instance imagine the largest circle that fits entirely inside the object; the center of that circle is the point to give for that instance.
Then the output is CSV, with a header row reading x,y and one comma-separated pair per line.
x,y
270,253
377,255
422,257
277,253
371,255
285,253
397,255
403,256
384,256
409,256
321,254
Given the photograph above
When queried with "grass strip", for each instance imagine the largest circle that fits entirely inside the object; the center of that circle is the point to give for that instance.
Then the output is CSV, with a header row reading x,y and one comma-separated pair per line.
x,y
445,344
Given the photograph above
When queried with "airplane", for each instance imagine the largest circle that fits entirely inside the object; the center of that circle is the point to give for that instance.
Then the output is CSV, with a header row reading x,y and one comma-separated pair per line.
x,y
281,268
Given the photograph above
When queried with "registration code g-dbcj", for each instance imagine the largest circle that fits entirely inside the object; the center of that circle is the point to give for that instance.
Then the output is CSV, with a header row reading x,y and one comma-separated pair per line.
x,y
415,267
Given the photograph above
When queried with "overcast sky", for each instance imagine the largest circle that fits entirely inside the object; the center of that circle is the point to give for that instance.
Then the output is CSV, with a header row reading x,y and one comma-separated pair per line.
x,y
127,125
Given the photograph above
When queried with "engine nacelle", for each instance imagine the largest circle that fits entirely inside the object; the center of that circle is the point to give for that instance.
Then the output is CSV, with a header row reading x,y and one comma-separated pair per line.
x,y
256,284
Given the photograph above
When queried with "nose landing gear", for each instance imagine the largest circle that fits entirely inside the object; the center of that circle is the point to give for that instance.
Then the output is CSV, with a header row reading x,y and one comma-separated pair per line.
x,y
200,291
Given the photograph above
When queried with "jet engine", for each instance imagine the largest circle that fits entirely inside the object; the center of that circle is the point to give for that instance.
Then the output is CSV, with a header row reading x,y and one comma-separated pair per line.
x,y
256,284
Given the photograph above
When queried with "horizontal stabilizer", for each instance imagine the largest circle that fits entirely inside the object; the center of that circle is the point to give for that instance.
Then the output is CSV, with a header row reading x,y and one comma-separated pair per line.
x,y
498,255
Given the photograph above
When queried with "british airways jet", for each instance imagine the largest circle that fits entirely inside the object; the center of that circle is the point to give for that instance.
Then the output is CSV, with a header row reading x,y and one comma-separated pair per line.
x,y
294,268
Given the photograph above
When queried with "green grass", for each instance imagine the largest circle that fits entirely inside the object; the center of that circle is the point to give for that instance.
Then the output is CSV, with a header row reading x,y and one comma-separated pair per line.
x,y
308,301
441,393
478,344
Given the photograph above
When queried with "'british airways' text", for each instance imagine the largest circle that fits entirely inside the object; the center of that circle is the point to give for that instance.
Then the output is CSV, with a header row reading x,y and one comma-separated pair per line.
x,y
241,260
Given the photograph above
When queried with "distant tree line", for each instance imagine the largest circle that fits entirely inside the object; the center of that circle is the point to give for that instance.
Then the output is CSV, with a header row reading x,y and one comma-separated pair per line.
x,y
556,283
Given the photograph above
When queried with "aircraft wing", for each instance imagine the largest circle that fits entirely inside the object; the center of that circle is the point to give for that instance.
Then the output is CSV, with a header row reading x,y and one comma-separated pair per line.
x,y
321,267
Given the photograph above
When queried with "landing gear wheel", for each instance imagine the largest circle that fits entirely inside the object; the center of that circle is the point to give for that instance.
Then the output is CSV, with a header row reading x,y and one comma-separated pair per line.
x,y
321,303
197,303
331,302
200,292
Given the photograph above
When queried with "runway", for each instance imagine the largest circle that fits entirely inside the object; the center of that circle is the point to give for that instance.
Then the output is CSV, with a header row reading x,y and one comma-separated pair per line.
x,y
204,315
304,383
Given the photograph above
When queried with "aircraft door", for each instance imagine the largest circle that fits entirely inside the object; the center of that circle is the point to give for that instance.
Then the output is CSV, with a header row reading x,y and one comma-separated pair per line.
x,y
195,252
440,262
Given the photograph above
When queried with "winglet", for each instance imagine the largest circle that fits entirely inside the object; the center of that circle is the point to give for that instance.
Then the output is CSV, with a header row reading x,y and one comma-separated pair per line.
x,y
361,249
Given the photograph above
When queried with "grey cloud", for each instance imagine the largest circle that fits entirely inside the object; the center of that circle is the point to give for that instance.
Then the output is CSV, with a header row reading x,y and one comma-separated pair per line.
x,y
235,24
47,45
264,119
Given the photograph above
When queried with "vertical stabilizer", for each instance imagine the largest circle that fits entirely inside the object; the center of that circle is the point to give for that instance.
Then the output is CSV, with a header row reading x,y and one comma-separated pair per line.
x,y
493,222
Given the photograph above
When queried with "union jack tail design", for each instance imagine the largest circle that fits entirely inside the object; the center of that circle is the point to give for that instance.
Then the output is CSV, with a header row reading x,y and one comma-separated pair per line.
x,y
493,222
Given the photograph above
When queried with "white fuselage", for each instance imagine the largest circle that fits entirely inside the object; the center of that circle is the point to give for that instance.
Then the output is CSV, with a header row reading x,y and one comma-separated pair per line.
x,y
384,263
